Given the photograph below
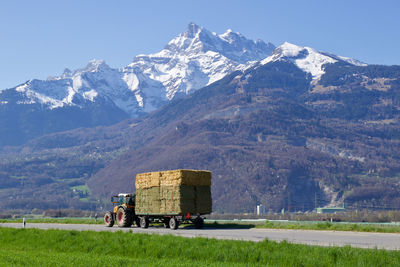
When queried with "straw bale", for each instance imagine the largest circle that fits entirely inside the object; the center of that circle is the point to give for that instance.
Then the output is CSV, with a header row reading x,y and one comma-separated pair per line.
x,y
146,180
177,192
148,200
174,177
174,192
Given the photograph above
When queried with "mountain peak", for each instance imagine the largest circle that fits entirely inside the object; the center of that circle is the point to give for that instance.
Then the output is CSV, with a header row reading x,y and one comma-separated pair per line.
x,y
192,30
306,58
96,65
93,65
289,50
230,44
67,71
231,36
188,40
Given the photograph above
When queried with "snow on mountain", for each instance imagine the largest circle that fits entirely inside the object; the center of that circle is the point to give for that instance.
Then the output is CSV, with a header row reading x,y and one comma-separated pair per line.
x,y
307,59
97,79
197,58
351,61
188,62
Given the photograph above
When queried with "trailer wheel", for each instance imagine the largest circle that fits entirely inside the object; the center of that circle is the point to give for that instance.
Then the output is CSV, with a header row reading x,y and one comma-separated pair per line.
x,y
166,222
124,217
144,222
109,219
173,223
199,223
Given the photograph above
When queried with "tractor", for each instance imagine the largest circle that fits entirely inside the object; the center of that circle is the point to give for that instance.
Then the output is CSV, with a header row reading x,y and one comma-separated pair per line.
x,y
123,212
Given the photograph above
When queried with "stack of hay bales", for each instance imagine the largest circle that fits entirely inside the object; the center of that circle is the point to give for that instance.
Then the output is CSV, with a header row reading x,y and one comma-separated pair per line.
x,y
173,192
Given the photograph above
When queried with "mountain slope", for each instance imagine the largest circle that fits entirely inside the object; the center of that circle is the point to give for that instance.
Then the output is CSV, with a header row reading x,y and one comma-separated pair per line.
x,y
269,135
296,130
267,142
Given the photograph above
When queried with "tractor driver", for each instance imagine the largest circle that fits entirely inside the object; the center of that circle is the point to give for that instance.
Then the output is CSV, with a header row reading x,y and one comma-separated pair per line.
x,y
121,200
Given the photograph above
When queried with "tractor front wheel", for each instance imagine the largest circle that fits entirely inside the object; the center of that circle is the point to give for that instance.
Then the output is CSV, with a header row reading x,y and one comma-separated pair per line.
x,y
109,219
124,217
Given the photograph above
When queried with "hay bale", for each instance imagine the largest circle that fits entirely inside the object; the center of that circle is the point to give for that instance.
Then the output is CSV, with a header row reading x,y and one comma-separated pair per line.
x,y
203,199
173,192
175,177
148,200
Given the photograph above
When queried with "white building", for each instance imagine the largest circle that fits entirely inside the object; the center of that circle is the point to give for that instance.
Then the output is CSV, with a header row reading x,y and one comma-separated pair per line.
x,y
260,209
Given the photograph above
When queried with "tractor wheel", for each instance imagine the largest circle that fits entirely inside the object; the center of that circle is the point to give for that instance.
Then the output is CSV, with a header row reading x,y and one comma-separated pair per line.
x,y
166,222
199,223
144,222
173,223
124,217
109,219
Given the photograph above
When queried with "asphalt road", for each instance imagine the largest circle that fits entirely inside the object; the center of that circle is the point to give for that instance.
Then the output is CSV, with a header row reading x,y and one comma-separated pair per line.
x,y
309,237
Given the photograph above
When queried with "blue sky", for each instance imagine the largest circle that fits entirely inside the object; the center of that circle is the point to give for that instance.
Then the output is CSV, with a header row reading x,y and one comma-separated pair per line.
x,y
40,38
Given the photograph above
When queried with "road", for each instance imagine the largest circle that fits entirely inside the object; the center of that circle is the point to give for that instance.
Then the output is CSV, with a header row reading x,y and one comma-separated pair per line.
x,y
309,237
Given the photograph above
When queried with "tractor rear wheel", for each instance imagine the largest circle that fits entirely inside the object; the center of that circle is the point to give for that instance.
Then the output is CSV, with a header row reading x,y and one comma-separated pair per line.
x,y
173,223
124,217
109,219
144,222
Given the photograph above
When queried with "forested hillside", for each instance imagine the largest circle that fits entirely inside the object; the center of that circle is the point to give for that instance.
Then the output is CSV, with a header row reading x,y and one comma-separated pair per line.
x,y
270,135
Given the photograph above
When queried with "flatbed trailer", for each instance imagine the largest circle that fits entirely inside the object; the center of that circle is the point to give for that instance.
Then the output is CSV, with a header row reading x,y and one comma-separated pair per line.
x,y
171,221
168,197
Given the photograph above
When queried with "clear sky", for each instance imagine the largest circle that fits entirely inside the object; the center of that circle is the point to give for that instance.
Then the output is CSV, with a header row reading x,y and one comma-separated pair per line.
x,y
40,38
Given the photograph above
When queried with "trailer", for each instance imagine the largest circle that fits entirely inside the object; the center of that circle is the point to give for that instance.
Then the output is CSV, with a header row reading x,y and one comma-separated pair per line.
x,y
169,197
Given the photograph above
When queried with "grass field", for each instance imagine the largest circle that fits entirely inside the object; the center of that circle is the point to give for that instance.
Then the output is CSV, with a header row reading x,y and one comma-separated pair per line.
x,y
357,227
32,247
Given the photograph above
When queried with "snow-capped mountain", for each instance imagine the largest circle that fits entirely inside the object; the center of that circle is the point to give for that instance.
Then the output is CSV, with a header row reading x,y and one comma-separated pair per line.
x,y
188,62
100,95
307,58
193,60
75,88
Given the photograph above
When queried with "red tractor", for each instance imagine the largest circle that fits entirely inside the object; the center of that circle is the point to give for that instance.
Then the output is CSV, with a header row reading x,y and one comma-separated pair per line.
x,y
123,213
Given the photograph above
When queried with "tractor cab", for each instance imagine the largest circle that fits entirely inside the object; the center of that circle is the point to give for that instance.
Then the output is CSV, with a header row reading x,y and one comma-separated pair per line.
x,y
125,200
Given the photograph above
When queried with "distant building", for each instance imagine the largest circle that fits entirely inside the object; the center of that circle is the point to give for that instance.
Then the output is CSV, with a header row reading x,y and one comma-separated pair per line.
x,y
331,210
260,209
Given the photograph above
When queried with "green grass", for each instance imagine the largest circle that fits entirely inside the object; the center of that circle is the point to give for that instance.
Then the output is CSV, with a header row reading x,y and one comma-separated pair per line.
x,y
33,247
380,228
81,188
